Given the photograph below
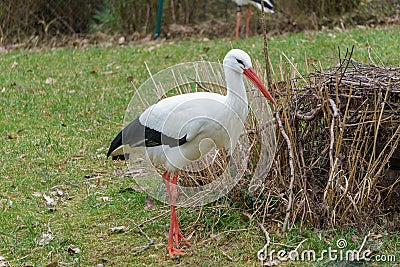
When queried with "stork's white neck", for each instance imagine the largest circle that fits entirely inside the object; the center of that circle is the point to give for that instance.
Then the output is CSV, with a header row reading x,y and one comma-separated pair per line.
x,y
236,97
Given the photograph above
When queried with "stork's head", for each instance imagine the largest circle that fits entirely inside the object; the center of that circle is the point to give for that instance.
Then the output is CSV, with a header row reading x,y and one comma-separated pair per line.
x,y
240,61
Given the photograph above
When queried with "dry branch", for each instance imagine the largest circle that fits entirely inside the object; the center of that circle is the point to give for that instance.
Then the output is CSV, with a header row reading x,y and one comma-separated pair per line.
x,y
290,151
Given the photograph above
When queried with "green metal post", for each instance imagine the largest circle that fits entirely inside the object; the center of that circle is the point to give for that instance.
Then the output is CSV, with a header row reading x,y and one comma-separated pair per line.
x,y
159,18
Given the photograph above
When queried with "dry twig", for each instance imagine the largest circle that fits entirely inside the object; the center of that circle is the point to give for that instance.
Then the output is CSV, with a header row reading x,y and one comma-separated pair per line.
x,y
291,157
149,243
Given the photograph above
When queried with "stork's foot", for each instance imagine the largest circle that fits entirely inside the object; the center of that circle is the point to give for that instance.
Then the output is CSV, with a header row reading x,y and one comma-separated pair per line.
x,y
178,237
174,251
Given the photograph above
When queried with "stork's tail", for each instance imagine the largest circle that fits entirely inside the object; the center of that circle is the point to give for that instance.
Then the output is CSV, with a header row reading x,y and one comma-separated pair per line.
x,y
116,148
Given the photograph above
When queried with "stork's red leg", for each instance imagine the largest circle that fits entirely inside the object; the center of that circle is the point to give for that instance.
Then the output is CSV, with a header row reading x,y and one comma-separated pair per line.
x,y
174,230
166,178
174,193
170,247
238,14
248,20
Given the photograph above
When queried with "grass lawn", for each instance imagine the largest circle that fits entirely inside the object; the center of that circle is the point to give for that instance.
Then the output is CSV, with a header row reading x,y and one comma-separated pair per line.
x,y
61,108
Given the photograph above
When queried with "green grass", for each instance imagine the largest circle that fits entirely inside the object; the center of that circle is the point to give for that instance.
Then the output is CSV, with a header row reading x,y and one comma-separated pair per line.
x,y
54,136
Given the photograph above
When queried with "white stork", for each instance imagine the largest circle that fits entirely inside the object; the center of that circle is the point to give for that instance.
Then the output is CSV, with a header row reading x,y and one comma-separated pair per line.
x,y
268,7
173,130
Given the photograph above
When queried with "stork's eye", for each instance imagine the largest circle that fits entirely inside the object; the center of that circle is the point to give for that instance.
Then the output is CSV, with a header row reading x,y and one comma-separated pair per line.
x,y
240,62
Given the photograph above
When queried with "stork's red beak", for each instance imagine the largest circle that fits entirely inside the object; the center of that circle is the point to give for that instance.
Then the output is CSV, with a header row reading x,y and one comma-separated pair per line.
x,y
251,74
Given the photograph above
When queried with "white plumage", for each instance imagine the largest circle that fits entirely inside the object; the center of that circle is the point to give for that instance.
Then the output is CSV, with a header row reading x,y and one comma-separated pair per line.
x,y
268,5
200,118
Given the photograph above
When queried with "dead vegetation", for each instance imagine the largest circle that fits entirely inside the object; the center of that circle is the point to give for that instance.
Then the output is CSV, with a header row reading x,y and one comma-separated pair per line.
x,y
338,153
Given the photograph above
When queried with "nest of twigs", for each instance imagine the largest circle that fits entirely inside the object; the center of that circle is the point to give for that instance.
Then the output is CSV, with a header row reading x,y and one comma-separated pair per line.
x,y
338,154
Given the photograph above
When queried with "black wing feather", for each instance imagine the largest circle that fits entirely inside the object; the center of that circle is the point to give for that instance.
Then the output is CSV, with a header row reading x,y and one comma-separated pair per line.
x,y
266,4
136,134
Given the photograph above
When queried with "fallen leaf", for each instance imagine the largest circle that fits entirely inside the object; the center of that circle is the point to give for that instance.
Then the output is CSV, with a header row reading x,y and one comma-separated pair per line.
x,y
108,72
105,199
45,238
121,40
50,203
376,236
60,166
37,194
28,264
5,204
354,238
59,193
73,250
50,80
118,229
3,262
52,264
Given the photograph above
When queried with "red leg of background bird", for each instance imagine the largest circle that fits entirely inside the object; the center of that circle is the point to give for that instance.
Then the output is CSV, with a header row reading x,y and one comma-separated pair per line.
x,y
238,14
248,20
